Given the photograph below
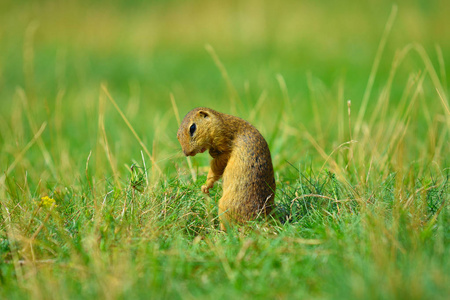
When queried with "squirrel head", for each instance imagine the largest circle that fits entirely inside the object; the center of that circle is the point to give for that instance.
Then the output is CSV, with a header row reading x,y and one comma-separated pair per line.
x,y
197,130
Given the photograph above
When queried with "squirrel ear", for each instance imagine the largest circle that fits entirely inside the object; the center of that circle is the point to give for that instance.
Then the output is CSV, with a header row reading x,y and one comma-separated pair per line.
x,y
203,114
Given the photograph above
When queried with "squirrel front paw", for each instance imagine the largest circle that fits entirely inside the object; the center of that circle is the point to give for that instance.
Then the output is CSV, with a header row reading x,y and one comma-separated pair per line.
x,y
205,189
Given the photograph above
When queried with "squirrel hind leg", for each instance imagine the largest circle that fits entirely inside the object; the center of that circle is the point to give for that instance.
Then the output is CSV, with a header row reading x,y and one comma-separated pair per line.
x,y
224,214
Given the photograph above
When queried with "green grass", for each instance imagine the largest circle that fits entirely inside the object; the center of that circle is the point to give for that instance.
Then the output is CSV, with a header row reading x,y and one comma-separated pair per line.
x,y
90,93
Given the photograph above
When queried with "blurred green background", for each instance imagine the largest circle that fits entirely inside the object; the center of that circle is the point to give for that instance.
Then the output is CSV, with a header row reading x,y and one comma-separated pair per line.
x,y
60,52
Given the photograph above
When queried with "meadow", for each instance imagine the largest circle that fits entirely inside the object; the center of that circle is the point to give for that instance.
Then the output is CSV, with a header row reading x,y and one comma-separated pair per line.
x,y
98,201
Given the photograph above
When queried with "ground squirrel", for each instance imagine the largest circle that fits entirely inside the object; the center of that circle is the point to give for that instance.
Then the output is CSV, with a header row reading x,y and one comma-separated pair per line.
x,y
240,155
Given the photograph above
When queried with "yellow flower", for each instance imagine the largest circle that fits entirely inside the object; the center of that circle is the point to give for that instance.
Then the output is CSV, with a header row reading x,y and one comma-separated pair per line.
x,y
47,202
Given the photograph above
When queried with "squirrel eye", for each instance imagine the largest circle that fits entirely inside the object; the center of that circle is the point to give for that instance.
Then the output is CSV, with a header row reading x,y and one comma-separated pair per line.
x,y
192,129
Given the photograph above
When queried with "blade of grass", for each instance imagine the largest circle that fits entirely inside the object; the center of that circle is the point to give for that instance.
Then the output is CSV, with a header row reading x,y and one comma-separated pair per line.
x,y
104,139
233,94
434,77
262,98
20,156
154,164
177,116
374,70
45,153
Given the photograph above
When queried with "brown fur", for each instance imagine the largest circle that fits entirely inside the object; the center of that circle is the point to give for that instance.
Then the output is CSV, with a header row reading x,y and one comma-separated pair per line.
x,y
240,155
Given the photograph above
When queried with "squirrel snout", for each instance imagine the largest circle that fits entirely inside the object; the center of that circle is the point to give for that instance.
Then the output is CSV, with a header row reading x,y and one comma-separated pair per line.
x,y
193,152
187,153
